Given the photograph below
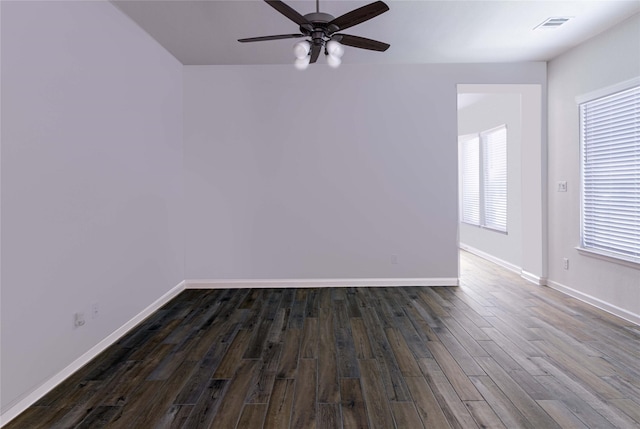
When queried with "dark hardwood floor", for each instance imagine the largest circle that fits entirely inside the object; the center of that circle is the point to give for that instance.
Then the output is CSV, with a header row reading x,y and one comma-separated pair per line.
x,y
496,352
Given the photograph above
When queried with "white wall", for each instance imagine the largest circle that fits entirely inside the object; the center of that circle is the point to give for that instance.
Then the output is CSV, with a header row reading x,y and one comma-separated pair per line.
x,y
609,58
326,173
490,111
91,182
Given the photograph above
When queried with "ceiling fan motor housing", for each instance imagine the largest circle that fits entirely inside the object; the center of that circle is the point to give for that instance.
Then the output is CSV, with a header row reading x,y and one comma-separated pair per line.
x,y
320,31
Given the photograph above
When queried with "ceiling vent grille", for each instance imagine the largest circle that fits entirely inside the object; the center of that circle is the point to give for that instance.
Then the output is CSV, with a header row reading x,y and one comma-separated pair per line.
x,y
552,23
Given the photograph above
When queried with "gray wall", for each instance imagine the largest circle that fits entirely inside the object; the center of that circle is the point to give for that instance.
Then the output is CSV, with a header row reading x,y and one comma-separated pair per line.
x,y
609,58
91,182
324,173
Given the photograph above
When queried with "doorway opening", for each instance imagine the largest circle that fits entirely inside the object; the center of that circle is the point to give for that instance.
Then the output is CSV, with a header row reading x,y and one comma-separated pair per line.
x,y
502,176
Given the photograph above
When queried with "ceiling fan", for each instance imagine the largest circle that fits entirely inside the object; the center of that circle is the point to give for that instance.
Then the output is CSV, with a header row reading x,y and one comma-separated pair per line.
x,y
321,31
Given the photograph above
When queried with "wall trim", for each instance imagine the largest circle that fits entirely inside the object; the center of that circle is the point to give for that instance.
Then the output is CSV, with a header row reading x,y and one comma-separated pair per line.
x,y
537,280
74,366
530,277
596,302
542,281
484,255
608,90
307,283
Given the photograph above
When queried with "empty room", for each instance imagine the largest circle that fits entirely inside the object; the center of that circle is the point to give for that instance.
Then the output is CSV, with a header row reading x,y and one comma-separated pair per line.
x,y
320,214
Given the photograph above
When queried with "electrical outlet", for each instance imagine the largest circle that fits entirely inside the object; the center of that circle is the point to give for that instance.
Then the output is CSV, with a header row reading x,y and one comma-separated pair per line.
x,y
565,263
78,319
95,310
562,186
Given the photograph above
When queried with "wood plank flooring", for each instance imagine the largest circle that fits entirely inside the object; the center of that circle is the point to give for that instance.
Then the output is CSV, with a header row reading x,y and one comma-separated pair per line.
x,y
496,352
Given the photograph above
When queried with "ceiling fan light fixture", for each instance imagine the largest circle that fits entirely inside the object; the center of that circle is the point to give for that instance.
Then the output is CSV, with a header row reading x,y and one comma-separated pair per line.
x,y
301,49
333,61
321,31
334,48
302,63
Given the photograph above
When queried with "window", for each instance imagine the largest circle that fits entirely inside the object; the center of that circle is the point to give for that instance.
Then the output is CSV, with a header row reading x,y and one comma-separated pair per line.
x,y
470,151
483,166
610,140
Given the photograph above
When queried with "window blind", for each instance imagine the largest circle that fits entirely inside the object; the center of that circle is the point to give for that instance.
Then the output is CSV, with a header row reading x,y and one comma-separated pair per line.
x,y
494,146
610,131
470,160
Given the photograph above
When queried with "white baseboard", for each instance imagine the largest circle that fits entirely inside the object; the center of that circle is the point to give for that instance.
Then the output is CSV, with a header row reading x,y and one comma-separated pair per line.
x,y
540,281
306,283
537,280
596,302
484,255
48,385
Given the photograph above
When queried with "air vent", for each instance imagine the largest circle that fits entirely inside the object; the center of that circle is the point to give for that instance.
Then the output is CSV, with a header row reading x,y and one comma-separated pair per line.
x,y
554,22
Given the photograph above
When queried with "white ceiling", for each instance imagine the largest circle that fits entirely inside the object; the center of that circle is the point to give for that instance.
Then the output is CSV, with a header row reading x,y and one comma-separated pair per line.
x,y
453,31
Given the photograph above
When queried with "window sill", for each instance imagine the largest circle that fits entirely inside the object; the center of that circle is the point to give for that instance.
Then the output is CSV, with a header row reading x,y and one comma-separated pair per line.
x,y
609,257
499,231
475,225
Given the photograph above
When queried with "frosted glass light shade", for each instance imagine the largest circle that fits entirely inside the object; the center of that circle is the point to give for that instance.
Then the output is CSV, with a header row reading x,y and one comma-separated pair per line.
x,y
334,48
302,63
301,49
333,61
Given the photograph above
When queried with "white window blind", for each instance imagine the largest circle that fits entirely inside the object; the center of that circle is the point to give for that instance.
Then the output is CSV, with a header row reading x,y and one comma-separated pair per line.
x,y
483,178
470,168
494,147
610,133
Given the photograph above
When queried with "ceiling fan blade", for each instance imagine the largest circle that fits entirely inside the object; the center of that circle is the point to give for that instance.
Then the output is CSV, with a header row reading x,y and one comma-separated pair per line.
x,y
277,37
360,42
360,15
290,13
315,53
